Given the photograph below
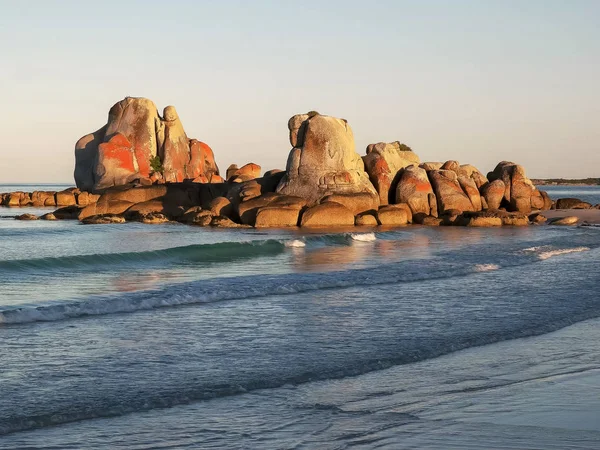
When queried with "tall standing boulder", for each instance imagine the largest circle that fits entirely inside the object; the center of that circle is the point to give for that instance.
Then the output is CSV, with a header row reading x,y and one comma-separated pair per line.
x,y
137,143
323,161
86,155
449,194
414,189
137,119
520,194
503,172
383,162
174,150
493,193
469,187
521,191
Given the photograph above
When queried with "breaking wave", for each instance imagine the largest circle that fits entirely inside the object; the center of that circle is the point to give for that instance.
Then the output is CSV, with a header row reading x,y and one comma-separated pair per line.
x,y
562,251
363,237
219,252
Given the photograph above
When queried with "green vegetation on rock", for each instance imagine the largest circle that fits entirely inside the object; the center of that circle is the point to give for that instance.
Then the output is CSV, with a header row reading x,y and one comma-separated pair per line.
x,y
156,164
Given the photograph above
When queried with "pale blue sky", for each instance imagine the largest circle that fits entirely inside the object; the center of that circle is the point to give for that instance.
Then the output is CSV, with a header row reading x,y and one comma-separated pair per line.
x,y
478,81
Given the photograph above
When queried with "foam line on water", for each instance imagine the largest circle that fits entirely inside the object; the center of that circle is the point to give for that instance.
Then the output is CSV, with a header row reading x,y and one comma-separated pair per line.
x,y
563,251
250,286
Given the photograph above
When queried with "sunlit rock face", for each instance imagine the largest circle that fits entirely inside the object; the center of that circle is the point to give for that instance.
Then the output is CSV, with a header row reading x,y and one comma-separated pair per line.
x,y
137,143
323,160
383,161
520,194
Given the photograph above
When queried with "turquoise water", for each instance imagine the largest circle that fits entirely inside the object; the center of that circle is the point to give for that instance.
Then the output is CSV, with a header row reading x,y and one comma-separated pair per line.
x,y
170,336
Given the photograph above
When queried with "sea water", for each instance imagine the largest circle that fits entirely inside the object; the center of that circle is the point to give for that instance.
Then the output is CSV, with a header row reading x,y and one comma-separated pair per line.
x,y
172,336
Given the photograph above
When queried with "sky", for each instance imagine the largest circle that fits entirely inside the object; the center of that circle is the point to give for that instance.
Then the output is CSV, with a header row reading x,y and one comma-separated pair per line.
x,y
472,80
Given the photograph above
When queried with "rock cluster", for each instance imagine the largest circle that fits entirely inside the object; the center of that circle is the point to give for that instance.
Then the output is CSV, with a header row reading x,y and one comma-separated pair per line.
x,y
68,197
383,162
326,182
138,144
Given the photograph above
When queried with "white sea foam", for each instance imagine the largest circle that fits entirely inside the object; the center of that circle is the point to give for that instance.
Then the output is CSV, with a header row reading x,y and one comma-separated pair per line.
x,y
562,251
363,237
533,249
595,226
295,243
486,267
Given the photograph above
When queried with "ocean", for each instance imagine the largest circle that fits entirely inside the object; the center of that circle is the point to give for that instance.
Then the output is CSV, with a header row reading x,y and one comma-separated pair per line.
x,y
132,336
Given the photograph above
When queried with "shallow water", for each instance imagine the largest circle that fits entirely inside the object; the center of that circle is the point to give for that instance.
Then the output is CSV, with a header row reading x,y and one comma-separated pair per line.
x,y
589,194
169,336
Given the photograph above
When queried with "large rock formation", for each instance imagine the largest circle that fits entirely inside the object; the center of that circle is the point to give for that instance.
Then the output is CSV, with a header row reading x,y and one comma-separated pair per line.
x,y
493,193
202,166
323,160
415,190
137,142
520,194
383,162
448,191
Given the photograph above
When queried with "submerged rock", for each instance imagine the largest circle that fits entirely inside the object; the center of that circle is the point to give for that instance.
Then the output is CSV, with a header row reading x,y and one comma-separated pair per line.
x,y
155,218
103,219
569,220
225,222
27,217
572,203
67,213
537,218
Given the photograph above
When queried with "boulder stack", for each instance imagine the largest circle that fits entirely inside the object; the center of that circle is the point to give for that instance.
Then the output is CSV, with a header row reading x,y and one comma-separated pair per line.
x,y
323,160
137,143
520,194
383,162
